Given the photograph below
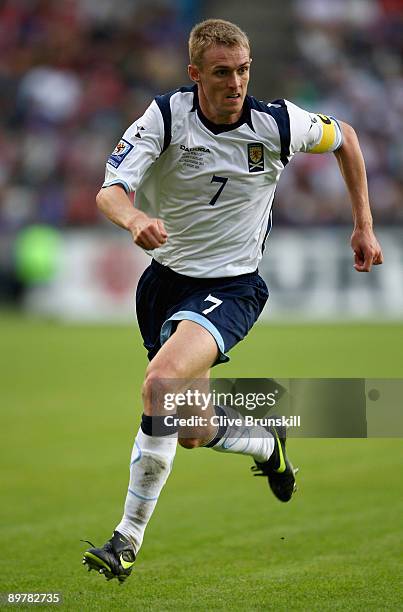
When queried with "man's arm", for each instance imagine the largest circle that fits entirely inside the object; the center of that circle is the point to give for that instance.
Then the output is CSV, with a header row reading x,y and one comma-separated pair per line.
x,y
367,250
115,205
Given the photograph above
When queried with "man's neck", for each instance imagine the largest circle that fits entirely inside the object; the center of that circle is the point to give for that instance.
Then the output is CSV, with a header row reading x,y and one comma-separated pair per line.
x,y
214,117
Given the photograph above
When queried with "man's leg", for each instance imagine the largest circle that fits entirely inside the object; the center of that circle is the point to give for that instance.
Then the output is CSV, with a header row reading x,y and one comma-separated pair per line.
x,y
186,355
267,447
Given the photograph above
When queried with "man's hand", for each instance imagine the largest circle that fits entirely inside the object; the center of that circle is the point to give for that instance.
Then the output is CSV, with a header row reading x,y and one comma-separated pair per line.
x,y
367,250
148,233
116,206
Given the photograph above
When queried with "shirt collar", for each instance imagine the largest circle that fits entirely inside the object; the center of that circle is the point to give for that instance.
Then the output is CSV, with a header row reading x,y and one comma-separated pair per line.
x,y
219,128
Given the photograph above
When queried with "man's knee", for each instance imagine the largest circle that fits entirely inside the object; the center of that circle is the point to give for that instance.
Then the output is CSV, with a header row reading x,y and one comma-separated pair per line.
x,y
158,384
164,380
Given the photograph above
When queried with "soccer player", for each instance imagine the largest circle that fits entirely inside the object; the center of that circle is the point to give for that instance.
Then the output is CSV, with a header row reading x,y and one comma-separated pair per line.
x,y
204,162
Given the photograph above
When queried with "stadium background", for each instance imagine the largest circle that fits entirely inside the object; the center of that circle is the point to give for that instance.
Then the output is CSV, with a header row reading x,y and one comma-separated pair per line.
x,y
73,75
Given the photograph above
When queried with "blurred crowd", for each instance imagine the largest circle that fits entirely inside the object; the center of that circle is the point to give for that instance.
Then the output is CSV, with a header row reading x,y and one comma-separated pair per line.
x,y
75,74
349,65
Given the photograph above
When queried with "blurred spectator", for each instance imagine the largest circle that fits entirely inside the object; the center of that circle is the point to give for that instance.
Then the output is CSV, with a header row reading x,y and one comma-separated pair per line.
x,y
350,66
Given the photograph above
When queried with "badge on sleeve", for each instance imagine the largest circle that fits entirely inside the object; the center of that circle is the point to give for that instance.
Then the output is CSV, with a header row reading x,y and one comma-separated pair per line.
x,y
255,157
119,153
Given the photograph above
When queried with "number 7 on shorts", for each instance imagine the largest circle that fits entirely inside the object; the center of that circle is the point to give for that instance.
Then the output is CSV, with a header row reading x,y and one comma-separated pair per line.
x,y
216,303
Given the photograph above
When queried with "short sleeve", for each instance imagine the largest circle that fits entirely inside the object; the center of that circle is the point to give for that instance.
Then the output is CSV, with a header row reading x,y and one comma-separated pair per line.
x,y
140,146
311,132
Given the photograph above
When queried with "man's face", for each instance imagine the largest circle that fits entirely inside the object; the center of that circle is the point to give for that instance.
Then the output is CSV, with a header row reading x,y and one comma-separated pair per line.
x,y
223,81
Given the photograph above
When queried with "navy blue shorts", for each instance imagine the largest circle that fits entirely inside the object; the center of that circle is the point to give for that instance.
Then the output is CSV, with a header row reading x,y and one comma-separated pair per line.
x,y
226,307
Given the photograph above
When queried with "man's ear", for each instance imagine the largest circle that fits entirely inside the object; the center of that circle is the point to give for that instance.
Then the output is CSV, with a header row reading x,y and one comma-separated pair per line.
x,y
193,72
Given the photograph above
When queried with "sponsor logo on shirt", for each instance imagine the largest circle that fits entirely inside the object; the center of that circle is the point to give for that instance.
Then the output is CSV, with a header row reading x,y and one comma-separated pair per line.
x,y
119,153
202,149
193,157
255,157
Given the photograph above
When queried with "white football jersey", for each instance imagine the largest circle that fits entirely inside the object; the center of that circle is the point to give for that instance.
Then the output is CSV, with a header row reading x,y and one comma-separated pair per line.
x,y
213,185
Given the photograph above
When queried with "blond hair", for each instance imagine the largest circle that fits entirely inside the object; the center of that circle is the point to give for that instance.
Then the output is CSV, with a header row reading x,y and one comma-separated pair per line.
x,y
214,32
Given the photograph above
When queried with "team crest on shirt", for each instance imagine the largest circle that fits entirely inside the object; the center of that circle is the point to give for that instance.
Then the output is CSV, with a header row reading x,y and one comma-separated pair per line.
x,y
255,157
119,153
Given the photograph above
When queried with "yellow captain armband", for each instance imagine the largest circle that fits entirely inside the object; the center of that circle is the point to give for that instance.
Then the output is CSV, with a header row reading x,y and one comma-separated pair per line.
x,y
331,135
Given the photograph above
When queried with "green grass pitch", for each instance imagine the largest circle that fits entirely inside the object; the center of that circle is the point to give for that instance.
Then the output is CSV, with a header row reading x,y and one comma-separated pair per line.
x,y
218,539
